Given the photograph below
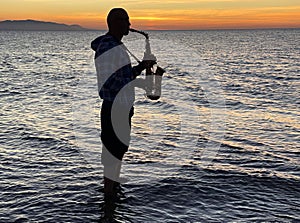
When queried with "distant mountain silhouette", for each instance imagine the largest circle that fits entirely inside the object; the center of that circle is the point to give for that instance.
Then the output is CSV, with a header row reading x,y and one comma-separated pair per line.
x,y
33,25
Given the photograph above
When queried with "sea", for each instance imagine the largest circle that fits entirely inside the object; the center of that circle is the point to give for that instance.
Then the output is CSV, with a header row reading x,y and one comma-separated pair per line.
x,y
220,145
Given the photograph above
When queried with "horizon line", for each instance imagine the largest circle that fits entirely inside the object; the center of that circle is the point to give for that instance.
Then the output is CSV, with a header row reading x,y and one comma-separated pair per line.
x,y
207,29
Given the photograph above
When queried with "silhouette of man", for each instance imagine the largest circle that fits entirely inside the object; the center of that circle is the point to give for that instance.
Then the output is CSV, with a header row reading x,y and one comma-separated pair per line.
x,y
114,75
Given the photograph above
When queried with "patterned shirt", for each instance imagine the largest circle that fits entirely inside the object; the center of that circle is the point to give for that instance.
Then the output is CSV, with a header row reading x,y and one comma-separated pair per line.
x,y
114,70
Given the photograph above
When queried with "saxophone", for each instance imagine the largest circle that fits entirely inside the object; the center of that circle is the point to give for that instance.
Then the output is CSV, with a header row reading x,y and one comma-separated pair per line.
x,y
154,73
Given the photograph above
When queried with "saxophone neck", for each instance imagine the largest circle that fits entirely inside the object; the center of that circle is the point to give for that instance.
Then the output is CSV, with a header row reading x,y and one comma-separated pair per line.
x,y
140,32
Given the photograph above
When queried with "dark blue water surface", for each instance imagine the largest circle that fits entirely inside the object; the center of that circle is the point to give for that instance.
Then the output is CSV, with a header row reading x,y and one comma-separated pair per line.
x,y
221,145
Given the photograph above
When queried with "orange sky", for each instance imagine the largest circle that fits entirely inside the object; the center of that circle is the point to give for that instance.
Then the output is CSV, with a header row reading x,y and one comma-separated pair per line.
x,y
160,14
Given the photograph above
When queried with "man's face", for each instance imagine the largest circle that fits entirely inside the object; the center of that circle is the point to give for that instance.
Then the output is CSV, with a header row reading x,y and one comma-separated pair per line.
x,y
123,23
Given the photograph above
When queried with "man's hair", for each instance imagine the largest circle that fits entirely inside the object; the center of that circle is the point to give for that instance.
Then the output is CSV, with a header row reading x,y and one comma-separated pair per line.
x,y
112,15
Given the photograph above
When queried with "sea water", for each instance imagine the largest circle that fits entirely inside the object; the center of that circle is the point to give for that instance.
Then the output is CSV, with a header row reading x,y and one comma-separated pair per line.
x,y
220,145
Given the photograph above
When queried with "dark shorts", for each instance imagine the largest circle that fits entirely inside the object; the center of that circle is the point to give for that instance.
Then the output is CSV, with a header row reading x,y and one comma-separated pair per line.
x,y
115,128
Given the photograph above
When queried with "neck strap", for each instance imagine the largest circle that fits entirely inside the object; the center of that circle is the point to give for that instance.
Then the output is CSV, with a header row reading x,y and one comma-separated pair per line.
x,y
131,53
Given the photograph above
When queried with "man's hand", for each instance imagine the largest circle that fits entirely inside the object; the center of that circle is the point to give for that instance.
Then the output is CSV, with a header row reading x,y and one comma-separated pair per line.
x,y
147,63
148,60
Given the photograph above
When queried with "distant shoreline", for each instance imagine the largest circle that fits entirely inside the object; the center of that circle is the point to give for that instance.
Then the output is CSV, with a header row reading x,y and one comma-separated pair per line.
x,y
35,25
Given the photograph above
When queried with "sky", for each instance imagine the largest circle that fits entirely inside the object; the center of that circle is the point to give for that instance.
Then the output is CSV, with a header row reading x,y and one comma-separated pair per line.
x,y
160,14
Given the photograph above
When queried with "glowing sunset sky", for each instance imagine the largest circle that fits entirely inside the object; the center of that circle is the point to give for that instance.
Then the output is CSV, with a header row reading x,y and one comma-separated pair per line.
x,y
160,14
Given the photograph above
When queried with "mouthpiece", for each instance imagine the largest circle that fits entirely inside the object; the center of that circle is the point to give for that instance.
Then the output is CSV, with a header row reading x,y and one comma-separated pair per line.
x,y
140,32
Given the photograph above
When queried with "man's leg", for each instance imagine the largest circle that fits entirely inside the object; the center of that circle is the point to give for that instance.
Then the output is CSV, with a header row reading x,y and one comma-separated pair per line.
x,y
112,169
109,184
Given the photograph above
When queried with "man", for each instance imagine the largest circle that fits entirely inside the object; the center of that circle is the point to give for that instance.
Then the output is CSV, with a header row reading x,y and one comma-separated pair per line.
x,y
115,75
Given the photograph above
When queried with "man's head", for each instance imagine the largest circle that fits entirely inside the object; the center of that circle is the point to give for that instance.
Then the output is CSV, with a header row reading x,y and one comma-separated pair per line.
x,y
118,21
